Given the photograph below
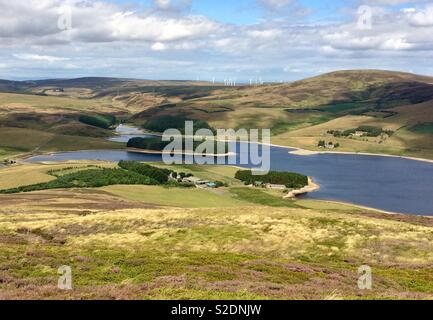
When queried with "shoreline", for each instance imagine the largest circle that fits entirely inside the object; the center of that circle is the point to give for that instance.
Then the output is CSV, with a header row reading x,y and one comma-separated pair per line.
x,y
292,150
314,187
305,152
311,187
24,157
144,151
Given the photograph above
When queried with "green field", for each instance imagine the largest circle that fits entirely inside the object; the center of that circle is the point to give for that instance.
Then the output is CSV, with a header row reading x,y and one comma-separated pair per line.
x,y
7,152
261,197
176,197
207,172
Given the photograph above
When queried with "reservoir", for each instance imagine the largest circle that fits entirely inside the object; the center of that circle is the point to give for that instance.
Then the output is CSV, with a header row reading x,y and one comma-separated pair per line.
x,y
386,183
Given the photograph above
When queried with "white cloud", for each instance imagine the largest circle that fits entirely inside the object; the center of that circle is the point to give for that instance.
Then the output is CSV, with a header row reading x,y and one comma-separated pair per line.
x,y
107,39
37,57
268,34
158,46
133,27
96,21
397,44
328,50
421,18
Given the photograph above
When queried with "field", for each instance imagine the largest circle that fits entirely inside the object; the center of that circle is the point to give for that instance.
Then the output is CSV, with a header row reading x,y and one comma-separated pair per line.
x,y
22,141
175,197
132,242
28,174
27,102
234,242
8,152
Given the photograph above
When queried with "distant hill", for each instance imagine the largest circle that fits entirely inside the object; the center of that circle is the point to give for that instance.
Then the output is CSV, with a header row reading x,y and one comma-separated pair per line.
x,y
98,86
342,92
12,86
349,90
383,88
88,82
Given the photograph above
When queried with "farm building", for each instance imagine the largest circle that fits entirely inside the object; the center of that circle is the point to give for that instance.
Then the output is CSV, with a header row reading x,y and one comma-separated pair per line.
x,y
276,186
196,181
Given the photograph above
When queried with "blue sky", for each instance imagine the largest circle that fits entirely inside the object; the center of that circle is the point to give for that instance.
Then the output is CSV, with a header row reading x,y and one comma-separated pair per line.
x,y
276,40
244,12
236,12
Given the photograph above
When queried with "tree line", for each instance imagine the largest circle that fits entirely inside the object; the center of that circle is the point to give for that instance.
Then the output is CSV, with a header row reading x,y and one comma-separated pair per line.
x,y
128,173
100,121
156,144
162,123
369,131
289,179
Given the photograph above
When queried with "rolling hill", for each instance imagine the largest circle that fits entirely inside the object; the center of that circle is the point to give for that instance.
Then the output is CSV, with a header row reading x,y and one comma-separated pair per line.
x,y
336,92
369,86
299,114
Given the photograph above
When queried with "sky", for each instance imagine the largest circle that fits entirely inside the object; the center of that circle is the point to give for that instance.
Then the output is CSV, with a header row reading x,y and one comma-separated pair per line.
x,y
242,40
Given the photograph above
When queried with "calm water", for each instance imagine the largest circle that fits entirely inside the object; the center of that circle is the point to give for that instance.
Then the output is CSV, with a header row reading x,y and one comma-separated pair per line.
x,y
391,184
126,132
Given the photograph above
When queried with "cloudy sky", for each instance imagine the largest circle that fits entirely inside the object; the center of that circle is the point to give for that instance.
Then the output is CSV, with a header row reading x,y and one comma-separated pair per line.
x,y
277,40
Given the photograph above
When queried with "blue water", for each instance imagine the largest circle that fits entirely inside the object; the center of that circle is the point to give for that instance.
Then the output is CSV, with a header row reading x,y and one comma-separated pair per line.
x,y
386,183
